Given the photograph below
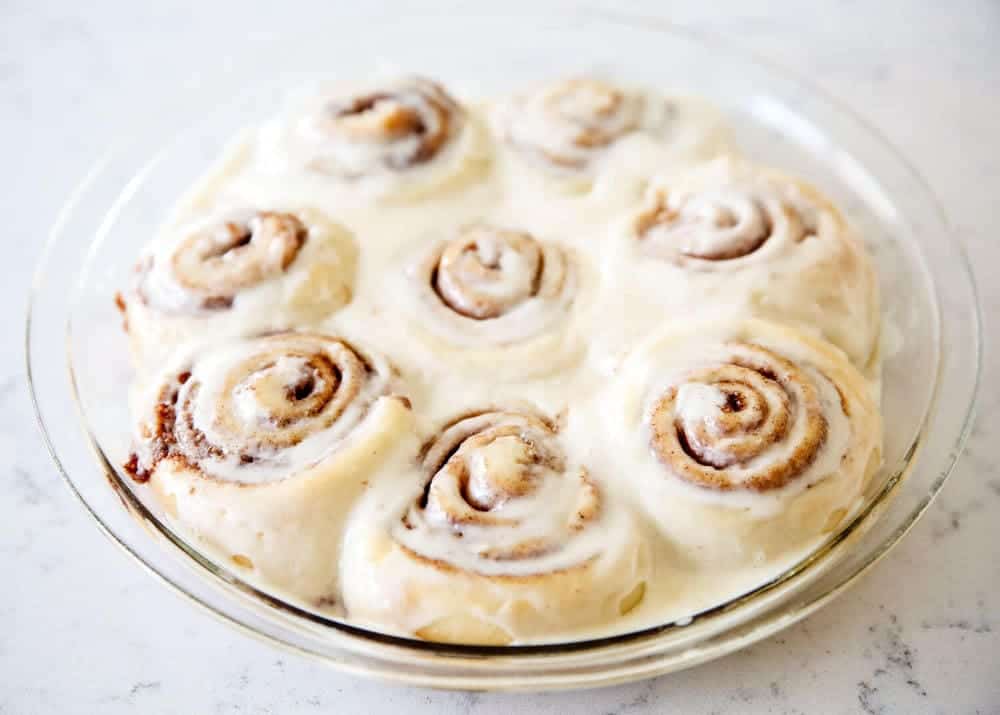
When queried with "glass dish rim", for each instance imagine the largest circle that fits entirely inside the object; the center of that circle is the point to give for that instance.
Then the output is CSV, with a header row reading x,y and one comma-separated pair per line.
x,y
634,22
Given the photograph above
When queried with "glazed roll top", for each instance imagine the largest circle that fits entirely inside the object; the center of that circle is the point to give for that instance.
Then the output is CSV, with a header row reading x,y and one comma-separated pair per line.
x,y
507,539
502,478
211,264
393,128
567,123
493,285
731,233
490,295
485,272
400,137
237,272
749,438
582,130
252,411
729,222
262,445
749,420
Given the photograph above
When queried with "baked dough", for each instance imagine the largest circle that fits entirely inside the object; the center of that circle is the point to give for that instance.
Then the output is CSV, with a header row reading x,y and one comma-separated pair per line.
x,y
396,139
237,271
746,438
565,375
565,135
260,447
732,233
505,539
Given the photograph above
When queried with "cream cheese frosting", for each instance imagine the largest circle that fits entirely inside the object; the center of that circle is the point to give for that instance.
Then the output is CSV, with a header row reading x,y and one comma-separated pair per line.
x,y
540,368
235,270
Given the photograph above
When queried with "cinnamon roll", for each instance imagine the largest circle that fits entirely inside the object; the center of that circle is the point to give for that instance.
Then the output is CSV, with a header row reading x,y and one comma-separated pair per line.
x,y
732,232
259,447
691,343
746,438
237,272
569,128
507,539
494,297
405,138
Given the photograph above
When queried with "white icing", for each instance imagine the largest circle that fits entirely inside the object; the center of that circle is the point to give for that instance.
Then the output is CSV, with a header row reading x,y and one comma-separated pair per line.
x,y
305,145
728,527
578,355
211,369
530,313
564,135
697,402
164,315
824,281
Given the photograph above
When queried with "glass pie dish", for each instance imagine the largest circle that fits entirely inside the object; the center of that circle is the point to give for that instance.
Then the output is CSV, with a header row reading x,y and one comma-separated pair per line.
x,y
931,322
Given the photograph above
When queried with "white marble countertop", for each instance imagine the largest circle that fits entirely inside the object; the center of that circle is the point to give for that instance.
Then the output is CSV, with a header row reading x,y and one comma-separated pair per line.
x,y
85,631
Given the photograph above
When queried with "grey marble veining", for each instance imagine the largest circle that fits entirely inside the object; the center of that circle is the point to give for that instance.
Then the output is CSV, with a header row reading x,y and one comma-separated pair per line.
x,y
85,631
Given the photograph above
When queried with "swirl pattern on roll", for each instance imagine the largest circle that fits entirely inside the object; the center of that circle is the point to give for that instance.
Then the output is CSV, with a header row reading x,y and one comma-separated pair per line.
x,y
731,232
499,495
508,539
493,286
728,214
237,272
216,260
566,124
750,419
257,410
575,447
746,437
260,448
390,128
718,225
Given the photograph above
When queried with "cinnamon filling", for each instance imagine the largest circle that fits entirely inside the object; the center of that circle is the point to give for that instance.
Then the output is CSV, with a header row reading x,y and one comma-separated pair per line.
x,y
567,123
214,264
404,126
706,227
482,470
742,412
291,387
487,272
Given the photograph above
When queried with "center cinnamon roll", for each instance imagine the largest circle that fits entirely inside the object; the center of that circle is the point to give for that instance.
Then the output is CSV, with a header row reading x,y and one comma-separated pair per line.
x,y
490,289
487,272
506,537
